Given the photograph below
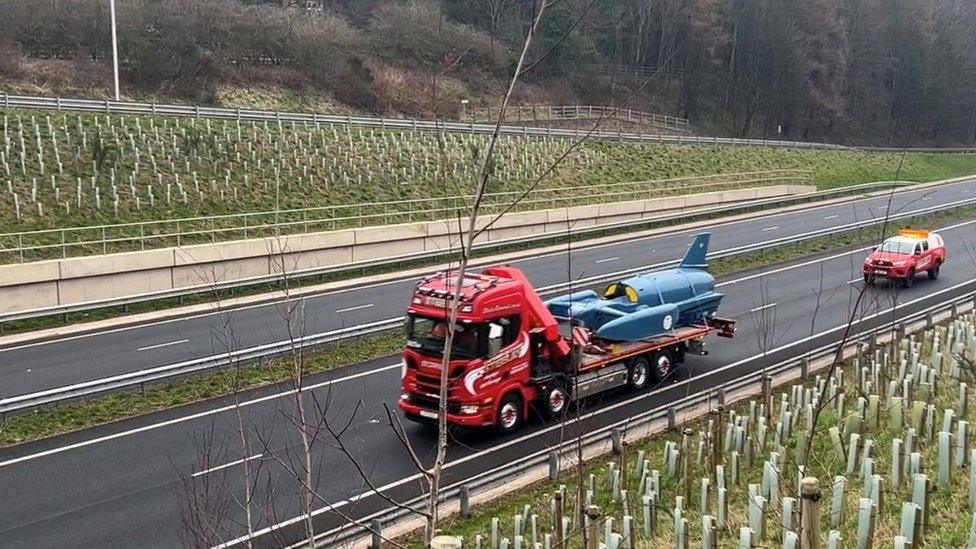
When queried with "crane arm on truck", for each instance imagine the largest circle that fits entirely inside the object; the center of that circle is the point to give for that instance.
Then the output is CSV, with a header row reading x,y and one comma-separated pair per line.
x,y
539,314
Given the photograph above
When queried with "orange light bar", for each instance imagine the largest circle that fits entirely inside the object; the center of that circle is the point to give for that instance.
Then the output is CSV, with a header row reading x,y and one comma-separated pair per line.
x,y
914,233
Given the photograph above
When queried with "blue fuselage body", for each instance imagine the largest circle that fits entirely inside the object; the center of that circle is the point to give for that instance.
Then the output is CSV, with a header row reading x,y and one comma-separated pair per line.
x,y
646,305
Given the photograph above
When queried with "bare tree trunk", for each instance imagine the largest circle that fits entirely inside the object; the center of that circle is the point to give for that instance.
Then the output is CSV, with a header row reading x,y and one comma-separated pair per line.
x,y
434,474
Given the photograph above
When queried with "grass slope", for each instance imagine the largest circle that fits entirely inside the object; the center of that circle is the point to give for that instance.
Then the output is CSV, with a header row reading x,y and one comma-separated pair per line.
x,y
60,170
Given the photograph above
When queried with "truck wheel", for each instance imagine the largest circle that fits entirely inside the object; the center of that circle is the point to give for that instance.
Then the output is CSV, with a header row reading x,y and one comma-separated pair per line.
x,y
638,373
556,400
910,279
509,417
934,272
868,279
663,365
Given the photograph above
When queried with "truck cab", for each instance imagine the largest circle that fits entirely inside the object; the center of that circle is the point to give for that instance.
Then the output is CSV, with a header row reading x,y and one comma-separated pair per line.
x,y
490,357
901,258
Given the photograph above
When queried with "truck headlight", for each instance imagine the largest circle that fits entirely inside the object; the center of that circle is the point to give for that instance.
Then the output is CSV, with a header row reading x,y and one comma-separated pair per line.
x,y
469,409
899,263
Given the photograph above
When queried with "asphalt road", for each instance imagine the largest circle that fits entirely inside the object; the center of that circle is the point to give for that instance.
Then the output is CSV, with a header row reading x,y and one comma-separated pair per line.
x,y
129,484
64,362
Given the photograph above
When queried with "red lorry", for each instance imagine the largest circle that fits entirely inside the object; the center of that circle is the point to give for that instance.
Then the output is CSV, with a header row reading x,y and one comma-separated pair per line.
x,y
901,258
510,353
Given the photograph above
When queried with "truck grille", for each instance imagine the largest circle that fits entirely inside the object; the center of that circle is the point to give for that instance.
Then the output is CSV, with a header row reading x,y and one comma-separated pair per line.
x,y
431,403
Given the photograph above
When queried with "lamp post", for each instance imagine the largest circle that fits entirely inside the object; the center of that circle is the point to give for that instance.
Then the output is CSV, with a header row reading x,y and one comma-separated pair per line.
x,y
115,49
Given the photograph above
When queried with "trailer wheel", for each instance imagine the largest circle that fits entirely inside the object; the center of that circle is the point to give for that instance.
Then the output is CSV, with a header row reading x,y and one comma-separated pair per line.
x,y
663,365
509,415
934,272
556,400
638,373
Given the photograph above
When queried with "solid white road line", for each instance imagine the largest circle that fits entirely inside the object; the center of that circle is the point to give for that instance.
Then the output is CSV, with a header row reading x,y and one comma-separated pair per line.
x,y
770,228
356,308
162,345
205,413
855,203
606,260
330,507
753,310
224,466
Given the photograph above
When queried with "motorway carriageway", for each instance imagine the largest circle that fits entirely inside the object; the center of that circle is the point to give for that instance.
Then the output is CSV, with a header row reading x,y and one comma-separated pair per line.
x,y
63,362
123,484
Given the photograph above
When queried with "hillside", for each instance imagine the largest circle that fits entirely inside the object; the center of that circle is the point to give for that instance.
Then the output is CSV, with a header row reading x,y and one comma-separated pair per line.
x,y
896,72
64,170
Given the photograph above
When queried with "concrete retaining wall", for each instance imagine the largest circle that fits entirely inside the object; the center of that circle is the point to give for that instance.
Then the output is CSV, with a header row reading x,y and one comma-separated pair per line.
x,y
84,279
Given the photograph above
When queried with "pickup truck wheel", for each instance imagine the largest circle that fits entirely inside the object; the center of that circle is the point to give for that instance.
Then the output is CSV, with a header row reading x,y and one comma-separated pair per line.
x,y
509,417
934,272
556,400
910,279
868,279
663,364
638,373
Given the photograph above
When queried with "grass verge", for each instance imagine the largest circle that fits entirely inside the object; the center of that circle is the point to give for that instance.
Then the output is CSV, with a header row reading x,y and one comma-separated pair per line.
x,y
107,408
103,409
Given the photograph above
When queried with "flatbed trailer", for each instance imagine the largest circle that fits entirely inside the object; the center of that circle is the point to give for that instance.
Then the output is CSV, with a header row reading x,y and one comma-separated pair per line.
x,y
510,352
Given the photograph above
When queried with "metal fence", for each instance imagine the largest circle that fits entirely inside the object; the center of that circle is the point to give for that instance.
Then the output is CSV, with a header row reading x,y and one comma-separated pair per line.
x,y
102,239
545,113
251,115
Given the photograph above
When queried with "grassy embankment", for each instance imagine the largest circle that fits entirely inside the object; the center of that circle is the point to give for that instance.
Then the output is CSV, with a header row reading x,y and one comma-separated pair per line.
x,y
70,170
859,407
103,409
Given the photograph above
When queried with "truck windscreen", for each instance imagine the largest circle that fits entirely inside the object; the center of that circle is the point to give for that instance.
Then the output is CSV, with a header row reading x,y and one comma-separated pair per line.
x,y
428,335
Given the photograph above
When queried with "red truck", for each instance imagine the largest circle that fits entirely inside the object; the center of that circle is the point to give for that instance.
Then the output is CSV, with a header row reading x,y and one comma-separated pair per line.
x,y
901,258
510,353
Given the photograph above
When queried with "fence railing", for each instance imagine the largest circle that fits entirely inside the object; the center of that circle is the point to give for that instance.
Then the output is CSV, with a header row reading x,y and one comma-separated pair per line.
x,y
103,239
685,409
251,115
545,113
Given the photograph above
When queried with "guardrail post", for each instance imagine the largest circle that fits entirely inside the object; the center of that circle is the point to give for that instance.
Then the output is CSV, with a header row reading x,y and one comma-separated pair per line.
x,y
720,397
465,499
804,368
6,101
557,520
929,320
902,330
616,439
377,534
954,309
553,465
672,418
